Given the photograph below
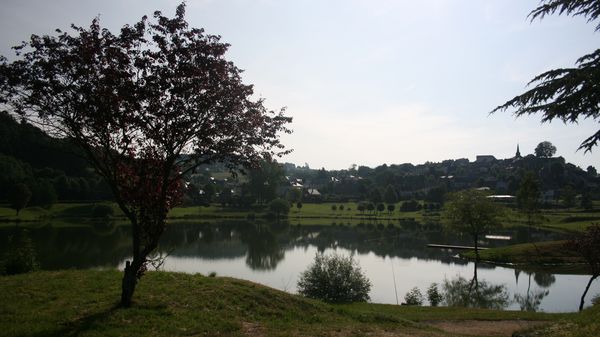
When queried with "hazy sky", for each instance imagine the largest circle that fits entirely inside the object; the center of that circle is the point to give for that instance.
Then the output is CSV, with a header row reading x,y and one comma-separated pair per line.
x,y
372,82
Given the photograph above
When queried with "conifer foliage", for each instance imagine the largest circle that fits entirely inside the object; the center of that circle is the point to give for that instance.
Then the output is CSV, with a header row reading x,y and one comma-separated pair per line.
x,y
566,94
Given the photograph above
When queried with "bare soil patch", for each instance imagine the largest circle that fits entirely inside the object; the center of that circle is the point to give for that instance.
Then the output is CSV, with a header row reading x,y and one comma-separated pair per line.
x,y
485,328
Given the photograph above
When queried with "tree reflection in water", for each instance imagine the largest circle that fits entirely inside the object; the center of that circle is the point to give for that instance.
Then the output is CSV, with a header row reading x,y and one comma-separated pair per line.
x,y
264,252
475,293
532,300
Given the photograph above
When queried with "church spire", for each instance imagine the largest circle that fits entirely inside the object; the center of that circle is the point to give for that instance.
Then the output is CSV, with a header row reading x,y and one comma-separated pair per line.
x,y
518,154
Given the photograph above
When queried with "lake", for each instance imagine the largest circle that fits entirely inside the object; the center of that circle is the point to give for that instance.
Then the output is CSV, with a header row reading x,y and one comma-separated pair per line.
x,y
394,257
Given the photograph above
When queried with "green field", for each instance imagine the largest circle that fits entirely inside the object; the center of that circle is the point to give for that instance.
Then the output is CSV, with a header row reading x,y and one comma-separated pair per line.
x,y
570,220
83,303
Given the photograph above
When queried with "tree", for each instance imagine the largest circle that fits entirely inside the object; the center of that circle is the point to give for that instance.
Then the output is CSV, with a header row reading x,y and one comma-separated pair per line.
x,y
568,195
390,196
545,149
528,197
380,207
279,207
592,171
294,195
264,180
146,106
414,297
209,190
19,196
471,212
433,295
567,94
361,207
335,279
588,247
586,201
391,208
43,194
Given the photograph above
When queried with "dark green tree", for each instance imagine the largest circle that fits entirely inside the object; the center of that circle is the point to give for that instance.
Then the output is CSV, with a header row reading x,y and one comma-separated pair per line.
x,y
279,207
390,196
43,194
586,200
209,190
569,94
391,208
471,212
592,171
380,207
568,196
294,195
528,197
19,196
264,180
545,149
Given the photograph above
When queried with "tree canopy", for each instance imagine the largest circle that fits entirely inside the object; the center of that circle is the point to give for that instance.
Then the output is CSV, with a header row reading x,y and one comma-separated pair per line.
x,y
146,106
545,149
472,213
567,94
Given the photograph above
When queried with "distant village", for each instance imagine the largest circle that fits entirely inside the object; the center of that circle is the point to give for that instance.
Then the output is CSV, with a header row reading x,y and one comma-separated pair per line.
x,y
429,181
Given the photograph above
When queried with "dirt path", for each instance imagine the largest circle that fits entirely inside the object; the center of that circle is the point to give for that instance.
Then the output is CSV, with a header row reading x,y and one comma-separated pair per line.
x,y
484,328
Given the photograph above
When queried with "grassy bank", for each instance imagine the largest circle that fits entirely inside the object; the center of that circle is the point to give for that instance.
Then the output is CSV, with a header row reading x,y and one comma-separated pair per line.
x,y
570,220
547,256
83,303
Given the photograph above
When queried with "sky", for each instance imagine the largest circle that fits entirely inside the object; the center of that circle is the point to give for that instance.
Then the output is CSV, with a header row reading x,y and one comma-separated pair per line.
x,y
369,82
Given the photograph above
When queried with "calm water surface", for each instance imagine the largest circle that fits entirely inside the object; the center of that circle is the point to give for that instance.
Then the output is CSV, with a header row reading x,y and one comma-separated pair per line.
x,y
275,255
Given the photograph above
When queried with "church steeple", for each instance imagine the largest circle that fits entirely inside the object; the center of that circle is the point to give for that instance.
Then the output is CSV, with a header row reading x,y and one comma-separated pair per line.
x,y
518,154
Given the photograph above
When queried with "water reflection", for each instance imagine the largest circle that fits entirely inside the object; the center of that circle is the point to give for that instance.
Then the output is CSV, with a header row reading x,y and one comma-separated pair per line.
x,y
532,299
274,254
475,293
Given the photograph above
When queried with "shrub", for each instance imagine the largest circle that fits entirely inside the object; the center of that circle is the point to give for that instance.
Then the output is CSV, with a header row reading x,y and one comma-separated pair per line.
x,y
413,297
334,278
20,257
102,211
279,207
433,295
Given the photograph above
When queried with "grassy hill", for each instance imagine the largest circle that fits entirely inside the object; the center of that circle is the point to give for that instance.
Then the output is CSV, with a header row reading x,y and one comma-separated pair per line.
x,y
83,303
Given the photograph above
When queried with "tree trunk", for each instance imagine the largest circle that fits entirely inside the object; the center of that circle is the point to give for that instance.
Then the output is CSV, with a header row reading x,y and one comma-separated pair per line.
x,y
476,237
586,290
128,285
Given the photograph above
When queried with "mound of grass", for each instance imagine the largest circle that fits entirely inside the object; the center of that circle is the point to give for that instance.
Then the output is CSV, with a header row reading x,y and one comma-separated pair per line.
x,y
84,303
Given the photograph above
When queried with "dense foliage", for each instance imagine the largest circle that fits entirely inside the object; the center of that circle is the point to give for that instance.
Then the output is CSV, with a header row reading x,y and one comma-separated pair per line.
x,y
336,279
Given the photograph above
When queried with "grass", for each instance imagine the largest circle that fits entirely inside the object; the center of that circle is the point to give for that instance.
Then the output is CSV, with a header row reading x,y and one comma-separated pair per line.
x,y
549,256
564,220
83,303
309,214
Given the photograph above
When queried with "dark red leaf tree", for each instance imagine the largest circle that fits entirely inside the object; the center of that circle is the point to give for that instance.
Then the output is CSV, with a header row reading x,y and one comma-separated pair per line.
x,y
587,245
147,106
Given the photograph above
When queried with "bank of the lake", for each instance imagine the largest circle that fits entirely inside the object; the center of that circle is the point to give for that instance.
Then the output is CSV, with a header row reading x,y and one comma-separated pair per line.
x,y
550,256
83,303
564,220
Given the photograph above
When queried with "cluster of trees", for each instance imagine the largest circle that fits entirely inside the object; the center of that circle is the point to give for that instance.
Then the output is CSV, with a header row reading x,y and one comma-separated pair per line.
x,y
46,169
